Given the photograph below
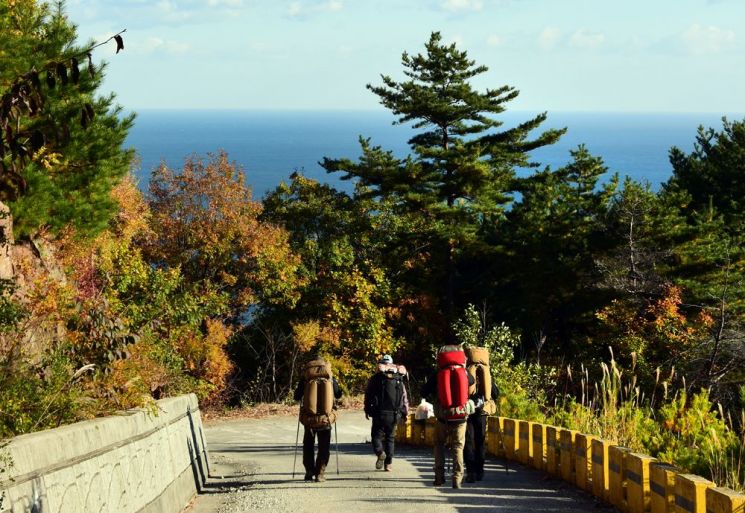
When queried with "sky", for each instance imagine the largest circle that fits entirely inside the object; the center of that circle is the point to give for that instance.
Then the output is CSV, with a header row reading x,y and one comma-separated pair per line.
x,y
563,55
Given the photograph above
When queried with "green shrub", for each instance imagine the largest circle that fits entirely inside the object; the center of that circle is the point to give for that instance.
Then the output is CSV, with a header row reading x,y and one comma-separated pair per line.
x,y
522,386
42,395
692,434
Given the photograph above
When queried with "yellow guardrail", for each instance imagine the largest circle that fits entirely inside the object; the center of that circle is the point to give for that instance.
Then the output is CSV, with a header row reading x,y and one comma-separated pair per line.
x,y
616,476
552,451
539,446
662,487
583,461
634,483
511,441
724,500
525,434
599,476
638,497
566,454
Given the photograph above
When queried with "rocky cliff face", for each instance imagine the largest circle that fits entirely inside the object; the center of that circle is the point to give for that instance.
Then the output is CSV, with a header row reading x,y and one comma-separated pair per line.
x,y
30,267
6,243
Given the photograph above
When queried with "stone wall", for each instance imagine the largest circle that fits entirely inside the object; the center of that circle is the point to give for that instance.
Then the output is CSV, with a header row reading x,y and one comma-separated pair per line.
x,y
133,462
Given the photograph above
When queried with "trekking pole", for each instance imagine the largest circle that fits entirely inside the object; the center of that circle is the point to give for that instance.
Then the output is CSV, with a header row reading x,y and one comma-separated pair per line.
x,y
504,451
297,435
336,440
448,444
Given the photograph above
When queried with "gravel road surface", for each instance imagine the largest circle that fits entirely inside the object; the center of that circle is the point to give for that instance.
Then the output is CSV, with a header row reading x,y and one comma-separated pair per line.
x,y
251,464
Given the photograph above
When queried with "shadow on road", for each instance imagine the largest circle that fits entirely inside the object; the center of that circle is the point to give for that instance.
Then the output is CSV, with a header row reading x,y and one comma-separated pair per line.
x,y
521,489
513,488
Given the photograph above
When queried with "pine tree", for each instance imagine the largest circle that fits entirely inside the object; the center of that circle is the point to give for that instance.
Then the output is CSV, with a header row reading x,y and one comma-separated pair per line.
x,y
713,173
462,165
553,235
69,141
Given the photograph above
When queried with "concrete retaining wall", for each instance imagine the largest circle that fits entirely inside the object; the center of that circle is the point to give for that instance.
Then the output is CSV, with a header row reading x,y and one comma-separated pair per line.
x,y
129,463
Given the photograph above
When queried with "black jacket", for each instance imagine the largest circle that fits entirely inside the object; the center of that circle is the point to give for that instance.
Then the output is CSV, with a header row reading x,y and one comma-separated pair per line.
x,y
373,393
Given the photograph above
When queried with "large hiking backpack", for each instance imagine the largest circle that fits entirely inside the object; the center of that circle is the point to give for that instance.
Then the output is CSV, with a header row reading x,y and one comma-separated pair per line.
x,y
317,410
452,383
391,367
391,393
478,368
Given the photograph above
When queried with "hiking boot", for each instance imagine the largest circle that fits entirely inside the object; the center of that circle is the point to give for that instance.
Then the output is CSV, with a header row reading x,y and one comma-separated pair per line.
x,y
389,467
470,478
480,476
321,476
456,485
380,461
309,476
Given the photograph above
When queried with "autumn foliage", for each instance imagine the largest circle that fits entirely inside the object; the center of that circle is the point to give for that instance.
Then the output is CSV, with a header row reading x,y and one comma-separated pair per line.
x,y
205,223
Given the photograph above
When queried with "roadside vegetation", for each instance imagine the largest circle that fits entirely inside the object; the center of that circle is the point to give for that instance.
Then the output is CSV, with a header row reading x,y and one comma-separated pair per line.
x,y
609,306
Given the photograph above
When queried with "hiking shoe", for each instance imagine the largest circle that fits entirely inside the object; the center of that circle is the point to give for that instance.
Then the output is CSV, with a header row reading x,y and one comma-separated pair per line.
x,y
380,461
389,468
470,478
321,476
309,476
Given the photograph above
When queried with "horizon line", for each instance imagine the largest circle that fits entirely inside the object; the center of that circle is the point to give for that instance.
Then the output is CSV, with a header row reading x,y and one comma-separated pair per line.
x,y
381,110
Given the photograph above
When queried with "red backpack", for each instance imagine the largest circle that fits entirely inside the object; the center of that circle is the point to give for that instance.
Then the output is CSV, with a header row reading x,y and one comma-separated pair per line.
x,y
452,382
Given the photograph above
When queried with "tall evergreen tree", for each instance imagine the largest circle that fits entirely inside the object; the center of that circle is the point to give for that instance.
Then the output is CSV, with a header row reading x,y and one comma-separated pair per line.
x,y
69,138
462,165
711,268
713,172
553,236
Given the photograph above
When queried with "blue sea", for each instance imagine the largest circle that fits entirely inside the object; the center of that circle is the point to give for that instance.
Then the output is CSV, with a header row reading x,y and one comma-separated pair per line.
x,y
270,145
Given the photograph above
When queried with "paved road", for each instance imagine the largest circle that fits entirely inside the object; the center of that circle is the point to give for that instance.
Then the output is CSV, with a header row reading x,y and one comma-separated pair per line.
x,y
253,459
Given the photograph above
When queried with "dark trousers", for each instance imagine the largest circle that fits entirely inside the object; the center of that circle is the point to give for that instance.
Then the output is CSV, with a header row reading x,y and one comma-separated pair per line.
x,y
383,435
474,451
324,450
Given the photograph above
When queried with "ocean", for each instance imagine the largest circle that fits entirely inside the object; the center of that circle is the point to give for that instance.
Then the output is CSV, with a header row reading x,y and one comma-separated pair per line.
x,y
270,145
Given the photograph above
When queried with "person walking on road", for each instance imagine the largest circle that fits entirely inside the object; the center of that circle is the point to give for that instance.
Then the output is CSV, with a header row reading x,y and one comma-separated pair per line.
x,y
318,390
447,389
386,402
484,394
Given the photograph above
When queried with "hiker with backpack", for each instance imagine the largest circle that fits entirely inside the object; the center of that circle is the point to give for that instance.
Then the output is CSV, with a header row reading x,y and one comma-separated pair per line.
x,y
484,394
386,402
447,389
318,390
